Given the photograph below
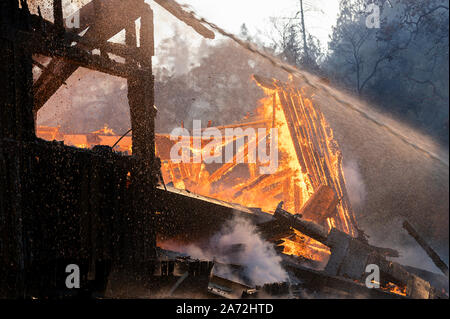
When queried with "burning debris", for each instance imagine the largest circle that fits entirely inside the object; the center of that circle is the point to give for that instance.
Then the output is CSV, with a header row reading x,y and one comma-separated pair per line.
x,y
135,219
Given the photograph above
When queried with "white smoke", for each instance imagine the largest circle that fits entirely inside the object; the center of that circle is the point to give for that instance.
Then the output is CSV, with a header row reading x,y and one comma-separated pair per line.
x,y
260,262
354,183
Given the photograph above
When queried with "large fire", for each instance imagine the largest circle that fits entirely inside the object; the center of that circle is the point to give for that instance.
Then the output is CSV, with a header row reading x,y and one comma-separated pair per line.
x,y
309,157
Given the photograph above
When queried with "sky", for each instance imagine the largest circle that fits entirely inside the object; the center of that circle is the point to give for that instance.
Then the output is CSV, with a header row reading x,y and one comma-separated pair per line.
x,y
320,15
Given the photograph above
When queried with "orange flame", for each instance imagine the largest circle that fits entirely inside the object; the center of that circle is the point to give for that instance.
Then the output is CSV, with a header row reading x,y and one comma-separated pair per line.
x,y
309,156
316,161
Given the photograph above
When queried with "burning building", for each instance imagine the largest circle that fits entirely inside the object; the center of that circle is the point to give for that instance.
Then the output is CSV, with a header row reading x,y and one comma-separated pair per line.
x,y
125,211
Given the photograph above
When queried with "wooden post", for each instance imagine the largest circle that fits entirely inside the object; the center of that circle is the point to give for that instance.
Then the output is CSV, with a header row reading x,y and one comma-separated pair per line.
x,y
16,78
298,195
58,14
16,122
140,91
430,251
143,112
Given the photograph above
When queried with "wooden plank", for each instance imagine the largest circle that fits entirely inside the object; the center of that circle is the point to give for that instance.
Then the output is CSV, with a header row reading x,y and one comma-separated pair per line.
x,y
79,57
320,205
430,251
174,8
100,30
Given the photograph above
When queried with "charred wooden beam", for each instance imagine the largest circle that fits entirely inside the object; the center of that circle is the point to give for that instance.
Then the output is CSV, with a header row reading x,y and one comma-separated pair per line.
x,y
274,230
306,227
318,281
100,30
97,16
188,217
267,83
79,57
322,234
187,17
118,49
224,288
350,256
16,76
430,251
58,14
141,92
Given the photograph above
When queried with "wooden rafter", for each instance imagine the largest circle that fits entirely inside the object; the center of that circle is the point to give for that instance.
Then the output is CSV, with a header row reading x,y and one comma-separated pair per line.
x,y
100,30
97,16
177,10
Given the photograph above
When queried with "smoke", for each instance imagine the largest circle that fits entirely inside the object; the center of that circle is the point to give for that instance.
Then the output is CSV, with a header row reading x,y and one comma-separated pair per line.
x,y
393,236
88,102
238,243
411,254
354,183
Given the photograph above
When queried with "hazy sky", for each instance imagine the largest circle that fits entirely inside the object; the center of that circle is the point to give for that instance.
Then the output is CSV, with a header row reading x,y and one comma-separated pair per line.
x,y
320,15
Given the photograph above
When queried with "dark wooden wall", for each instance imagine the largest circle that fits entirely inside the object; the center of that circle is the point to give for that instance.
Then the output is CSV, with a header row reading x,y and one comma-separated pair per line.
x,y
58,203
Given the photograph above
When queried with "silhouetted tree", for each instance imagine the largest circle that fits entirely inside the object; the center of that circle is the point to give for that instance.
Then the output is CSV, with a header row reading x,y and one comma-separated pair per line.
x,y
403,65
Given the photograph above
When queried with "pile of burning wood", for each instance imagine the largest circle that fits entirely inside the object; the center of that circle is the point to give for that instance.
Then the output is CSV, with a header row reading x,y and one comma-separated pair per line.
x,y
319,243
313,226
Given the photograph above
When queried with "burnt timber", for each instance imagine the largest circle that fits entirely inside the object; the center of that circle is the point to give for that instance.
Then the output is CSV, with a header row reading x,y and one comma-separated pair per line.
x,y
58,204
350,256
430,251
